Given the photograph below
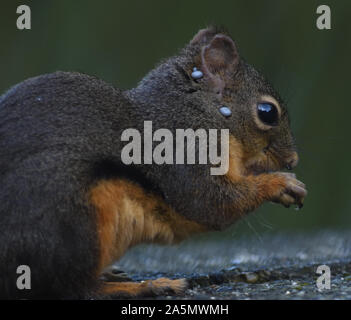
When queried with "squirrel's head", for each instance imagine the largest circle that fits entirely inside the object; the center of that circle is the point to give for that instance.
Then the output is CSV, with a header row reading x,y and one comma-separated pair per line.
x,y
257,116
259,119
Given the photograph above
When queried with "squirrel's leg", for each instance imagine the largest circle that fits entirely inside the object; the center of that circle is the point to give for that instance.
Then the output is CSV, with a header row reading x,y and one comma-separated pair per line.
x,y
126,216
280,187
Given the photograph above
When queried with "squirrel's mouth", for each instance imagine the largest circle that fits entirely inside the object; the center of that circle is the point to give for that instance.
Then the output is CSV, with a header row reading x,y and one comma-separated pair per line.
x,y
259,170
264,162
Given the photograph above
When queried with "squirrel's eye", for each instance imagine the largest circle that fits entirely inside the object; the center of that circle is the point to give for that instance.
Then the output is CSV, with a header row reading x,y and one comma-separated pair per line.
x,y
268,113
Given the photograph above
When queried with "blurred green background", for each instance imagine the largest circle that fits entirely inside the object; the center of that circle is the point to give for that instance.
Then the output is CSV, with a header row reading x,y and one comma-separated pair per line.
x,y
119,41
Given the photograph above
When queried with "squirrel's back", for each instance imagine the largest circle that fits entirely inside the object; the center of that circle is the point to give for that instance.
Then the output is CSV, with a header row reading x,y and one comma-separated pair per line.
x,y
54,131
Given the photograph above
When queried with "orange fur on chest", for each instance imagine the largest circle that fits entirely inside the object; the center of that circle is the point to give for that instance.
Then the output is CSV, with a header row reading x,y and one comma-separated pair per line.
x,y
126,216
236,167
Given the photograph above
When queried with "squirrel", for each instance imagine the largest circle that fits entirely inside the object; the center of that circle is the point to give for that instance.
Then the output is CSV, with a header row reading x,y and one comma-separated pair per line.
x,y
69,207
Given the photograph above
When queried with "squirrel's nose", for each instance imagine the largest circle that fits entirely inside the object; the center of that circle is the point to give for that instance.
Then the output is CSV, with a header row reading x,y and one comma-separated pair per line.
x,y
292,161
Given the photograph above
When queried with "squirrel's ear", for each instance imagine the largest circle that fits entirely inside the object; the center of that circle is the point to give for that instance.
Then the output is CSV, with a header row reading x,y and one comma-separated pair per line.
x,y
203,36
220,55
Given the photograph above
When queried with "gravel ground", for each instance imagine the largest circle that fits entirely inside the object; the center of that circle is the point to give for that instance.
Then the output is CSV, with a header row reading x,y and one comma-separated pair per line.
x,y
275,266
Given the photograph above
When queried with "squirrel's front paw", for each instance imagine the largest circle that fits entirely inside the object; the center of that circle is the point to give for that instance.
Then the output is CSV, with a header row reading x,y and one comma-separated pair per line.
x,y
293,192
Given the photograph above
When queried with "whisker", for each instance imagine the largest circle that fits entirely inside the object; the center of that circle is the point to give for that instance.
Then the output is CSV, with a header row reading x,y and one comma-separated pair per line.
x,y
254,231
264,222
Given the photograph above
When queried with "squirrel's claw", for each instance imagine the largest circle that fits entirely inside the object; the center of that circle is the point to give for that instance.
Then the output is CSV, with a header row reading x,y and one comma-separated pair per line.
x,y
114,274
293,193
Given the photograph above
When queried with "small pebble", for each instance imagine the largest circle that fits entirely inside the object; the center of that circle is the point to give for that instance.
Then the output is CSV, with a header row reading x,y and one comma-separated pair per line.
x,y
251,277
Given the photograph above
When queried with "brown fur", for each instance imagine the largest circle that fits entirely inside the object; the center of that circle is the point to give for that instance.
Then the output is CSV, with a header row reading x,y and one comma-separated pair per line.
x,y
236,166
126,216
259,187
